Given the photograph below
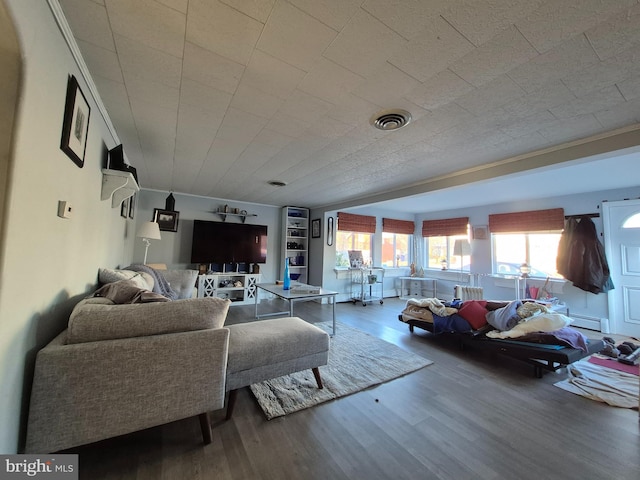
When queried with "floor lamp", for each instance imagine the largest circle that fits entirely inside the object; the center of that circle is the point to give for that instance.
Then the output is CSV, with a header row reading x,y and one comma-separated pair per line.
x,y
461,247
148,231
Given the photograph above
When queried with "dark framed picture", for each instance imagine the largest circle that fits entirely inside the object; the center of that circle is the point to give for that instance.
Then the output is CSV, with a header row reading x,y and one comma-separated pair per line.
x,y
330,231
167,220
132,206
315,228
75,126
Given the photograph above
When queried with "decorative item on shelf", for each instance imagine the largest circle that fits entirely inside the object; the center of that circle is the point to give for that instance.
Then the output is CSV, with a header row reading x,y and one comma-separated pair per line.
x,y
148,231
167,220
286,280
443,263
75,126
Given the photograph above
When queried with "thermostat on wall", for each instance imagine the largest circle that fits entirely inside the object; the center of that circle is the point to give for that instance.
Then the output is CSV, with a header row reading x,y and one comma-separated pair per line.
x,y
64,209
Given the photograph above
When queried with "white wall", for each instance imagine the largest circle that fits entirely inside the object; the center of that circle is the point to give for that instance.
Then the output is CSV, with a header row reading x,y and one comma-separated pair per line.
x,y
174,248
48,263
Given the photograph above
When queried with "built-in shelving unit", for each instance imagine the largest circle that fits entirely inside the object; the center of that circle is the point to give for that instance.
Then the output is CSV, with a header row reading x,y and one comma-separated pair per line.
x,y
295,234
118,186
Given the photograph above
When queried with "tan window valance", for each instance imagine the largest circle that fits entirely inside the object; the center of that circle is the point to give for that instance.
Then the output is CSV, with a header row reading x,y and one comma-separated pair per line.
x,y
391,225
446,227
531,221
356,223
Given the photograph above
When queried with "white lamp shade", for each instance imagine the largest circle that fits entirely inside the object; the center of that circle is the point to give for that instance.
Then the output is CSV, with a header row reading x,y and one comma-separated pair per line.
x,y
150,230
461,247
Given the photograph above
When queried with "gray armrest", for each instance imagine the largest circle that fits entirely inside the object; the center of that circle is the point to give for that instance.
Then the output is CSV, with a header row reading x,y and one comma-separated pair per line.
x,y
87,392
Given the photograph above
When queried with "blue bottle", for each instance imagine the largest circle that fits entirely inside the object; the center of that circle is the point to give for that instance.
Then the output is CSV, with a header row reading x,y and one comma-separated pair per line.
x,y
287,280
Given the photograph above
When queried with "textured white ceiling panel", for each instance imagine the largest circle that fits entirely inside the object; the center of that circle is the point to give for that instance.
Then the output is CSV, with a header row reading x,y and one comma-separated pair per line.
x,y
217,97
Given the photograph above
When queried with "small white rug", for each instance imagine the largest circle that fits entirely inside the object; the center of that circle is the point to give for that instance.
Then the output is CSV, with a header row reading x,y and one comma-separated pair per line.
x,y
357,361
619,389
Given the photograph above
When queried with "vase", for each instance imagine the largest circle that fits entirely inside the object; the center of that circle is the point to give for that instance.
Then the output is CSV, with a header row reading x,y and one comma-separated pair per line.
x,y
287,279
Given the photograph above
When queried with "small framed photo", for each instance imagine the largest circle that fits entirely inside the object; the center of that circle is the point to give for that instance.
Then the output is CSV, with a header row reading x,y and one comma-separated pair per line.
x,y
124,208
167,220
132,206
75,126
481,232
315,228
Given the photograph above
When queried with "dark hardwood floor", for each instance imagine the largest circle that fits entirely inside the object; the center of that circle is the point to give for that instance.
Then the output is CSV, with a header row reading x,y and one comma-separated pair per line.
x,y
467,416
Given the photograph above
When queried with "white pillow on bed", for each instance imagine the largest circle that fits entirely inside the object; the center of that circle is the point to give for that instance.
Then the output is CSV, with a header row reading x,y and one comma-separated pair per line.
x,y
545,322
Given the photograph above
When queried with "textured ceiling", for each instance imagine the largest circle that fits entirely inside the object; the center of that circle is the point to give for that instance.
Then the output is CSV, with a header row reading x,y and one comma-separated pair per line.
x,y
216,98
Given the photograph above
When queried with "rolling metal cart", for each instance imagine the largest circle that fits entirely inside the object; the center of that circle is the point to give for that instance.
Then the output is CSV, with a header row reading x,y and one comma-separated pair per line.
x,y
367,285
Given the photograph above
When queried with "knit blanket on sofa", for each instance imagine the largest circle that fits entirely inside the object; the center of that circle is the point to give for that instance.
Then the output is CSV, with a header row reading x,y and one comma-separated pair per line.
x,y
160,285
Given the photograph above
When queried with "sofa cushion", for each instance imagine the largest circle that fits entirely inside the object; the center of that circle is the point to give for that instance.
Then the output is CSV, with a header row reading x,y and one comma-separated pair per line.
x,y
90,321
181,281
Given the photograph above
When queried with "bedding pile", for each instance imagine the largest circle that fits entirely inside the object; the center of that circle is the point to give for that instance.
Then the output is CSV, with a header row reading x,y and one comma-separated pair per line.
x,y
526,322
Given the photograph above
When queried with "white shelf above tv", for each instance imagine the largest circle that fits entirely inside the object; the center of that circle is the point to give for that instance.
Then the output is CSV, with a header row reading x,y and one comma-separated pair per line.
x,y
118,186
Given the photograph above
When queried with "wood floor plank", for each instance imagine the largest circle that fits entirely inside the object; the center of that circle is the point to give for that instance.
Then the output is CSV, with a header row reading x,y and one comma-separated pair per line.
x,y
470,415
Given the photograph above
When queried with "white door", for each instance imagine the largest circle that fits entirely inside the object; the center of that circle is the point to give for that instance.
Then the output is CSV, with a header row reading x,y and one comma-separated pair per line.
x,y
621,222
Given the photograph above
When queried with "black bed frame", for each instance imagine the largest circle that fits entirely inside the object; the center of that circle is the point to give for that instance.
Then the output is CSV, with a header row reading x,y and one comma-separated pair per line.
x,y
540,357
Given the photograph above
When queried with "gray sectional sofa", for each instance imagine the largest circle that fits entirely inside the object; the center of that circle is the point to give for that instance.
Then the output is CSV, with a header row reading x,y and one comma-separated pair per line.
x,y
123,367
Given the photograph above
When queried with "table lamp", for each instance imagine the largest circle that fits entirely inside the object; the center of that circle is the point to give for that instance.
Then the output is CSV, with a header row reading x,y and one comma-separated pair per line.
x,y
148,231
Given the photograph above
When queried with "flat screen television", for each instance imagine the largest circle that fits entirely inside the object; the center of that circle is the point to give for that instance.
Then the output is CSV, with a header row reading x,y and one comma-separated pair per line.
x,y
221,242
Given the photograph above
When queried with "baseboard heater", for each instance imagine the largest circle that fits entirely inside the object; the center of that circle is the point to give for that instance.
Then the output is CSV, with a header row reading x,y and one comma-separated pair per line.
x,y
589,322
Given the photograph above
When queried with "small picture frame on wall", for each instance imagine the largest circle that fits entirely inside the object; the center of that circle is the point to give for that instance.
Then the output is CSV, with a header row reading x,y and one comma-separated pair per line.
x,y
124,208
480,232
132,206
75,126
315,228
167,220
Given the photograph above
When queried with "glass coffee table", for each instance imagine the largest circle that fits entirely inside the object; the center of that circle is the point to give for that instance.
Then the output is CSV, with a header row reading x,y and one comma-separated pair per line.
x,y
292,298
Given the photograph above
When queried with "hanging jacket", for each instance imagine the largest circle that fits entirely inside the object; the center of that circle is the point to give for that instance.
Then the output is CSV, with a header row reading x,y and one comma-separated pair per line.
x,y
587,265
562,260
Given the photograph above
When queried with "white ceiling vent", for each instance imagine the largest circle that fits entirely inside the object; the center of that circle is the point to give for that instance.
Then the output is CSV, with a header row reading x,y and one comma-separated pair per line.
x,y
391,119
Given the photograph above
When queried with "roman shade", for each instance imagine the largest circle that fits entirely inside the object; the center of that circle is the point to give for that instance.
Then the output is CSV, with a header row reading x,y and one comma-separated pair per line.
x,y
390,225
446,227
530,221
350,222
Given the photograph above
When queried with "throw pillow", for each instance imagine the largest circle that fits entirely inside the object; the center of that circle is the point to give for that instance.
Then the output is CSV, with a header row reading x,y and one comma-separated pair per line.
x,y
474,312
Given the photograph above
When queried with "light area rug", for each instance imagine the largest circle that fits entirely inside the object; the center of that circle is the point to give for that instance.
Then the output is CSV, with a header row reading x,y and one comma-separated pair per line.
x,y
357,361
602,384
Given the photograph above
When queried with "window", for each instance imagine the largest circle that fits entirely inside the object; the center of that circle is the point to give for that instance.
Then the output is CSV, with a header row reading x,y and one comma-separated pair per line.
x,y
441,253
396,242
538,250
346,241
395,250
530,237
440,243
